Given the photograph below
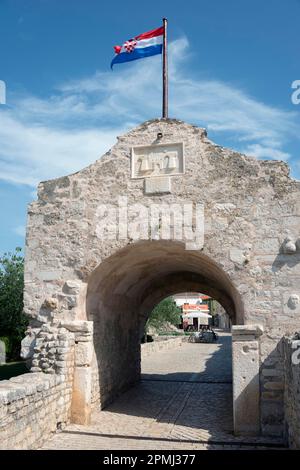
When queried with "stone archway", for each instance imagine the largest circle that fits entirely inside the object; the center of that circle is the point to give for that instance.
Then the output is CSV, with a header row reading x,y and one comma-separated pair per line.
x,y
121,294
77,280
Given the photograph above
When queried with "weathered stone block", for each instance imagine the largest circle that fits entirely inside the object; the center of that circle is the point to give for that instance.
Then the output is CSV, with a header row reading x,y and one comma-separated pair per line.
x,y
157,185
246,390
83,353
81,398
72,287
78,326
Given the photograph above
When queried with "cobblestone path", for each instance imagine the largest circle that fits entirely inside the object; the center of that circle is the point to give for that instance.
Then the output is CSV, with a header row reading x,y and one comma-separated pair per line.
x,y
184,401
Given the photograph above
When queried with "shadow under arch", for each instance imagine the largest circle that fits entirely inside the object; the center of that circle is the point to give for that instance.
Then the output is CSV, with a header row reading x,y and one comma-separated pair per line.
x,y
122,292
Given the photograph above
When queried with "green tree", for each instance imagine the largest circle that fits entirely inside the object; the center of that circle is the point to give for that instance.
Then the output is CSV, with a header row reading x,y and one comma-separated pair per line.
x,y
13,322
165,311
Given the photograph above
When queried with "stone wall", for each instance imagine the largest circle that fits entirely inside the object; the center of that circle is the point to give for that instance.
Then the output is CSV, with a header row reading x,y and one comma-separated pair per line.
x,y
149,348
292,392
32,406
116,360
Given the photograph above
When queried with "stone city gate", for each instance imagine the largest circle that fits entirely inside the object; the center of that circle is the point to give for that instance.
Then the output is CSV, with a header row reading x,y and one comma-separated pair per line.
x,y
88,292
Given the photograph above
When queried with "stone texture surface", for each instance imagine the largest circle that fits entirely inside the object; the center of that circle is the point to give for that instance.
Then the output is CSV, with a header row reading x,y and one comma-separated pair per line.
x,y
53,350
246,392
291,408
250,261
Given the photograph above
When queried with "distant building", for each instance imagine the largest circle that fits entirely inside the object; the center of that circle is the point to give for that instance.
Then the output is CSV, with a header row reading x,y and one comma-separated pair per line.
x,y
195,309
200,309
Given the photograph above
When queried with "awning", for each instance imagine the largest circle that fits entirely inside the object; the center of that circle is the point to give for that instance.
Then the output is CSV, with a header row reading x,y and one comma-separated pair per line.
x,y
194,314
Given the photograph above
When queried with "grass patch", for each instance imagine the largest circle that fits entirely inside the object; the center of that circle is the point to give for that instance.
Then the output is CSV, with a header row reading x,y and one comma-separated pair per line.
x,y
12,369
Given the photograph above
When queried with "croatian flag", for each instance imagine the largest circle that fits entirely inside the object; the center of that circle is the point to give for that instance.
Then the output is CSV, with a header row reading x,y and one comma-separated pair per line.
x,y
144,45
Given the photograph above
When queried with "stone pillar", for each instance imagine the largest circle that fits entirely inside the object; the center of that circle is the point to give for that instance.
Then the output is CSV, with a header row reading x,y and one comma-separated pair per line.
x,y
82,383
246,391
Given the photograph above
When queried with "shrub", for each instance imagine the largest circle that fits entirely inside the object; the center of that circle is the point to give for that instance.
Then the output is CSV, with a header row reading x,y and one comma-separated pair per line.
x,y
165,311
13,322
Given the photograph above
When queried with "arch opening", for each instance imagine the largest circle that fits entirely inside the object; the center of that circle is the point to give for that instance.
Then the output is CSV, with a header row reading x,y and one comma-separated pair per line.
x,y
124,289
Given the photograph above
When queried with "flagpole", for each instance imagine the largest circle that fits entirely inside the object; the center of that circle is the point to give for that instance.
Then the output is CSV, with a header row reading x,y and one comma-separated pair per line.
x,y
165,70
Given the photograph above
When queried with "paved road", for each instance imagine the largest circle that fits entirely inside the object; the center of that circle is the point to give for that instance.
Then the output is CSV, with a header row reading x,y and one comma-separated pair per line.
x,y
192,363
184,401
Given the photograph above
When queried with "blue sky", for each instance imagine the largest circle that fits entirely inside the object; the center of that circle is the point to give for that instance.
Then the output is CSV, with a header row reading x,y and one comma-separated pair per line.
x,y
232,64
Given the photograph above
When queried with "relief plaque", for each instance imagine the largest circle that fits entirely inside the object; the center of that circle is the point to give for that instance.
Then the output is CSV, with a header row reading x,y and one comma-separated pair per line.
x,y
157,160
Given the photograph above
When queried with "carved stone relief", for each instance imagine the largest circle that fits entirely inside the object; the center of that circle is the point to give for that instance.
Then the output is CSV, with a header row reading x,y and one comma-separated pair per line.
x,y
293,302
288,246
157,160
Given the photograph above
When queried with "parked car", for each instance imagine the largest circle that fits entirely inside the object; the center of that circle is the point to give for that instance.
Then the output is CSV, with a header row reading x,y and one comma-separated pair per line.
x,y
203,336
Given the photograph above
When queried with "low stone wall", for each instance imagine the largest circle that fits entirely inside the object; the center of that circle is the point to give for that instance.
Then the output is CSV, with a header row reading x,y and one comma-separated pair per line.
x,y
32,406
155,346
292,392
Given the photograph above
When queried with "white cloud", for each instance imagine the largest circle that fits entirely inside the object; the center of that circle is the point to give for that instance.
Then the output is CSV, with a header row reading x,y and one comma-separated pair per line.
x,y
44,138
31,153
20,230
261,151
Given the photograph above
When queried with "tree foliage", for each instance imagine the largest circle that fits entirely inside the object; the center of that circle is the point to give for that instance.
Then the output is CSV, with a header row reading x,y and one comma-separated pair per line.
x,y
165,311
13,322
